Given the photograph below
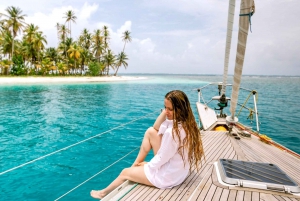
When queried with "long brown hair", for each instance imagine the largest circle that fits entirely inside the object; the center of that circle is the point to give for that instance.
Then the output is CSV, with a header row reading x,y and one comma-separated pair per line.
x,y
182,113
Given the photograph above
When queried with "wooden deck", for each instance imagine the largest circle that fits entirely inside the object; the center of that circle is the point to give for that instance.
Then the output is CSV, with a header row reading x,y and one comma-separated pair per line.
x,y
204,185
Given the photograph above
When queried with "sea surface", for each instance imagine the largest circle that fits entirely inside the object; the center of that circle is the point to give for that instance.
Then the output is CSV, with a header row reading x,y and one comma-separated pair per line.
x,y
73,131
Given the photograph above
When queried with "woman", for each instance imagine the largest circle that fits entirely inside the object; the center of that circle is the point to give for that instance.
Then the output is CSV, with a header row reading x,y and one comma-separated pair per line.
x,y
177,147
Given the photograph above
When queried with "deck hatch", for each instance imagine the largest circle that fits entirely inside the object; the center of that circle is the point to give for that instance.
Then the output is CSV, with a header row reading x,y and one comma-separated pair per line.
x,y
256,175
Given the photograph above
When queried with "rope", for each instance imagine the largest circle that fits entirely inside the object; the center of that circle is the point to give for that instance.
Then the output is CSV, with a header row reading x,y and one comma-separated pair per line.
x,y
243,106
72,145
95,174
250,14
250,116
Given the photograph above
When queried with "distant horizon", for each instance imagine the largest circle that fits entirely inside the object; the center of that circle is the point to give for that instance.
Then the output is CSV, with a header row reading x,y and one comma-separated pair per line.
x,y
124,73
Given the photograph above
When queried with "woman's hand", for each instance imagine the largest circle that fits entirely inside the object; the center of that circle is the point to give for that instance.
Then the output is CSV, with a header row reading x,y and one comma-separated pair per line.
x,y
142,163
135,164
161,118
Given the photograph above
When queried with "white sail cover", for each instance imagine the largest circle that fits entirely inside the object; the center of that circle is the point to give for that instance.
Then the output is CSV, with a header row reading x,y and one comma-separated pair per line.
x,y
228,42
247,7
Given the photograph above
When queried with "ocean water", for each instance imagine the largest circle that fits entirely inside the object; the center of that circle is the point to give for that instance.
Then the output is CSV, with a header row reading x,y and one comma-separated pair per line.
x,y
38,120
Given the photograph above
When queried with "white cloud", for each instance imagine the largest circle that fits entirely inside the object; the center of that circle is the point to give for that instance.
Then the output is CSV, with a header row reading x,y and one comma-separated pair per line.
x,y
191,7
125,27
87,10
146,45
47,21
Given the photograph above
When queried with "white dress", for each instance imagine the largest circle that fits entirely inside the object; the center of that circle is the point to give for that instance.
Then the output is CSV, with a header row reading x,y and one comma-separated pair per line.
x,y
167,169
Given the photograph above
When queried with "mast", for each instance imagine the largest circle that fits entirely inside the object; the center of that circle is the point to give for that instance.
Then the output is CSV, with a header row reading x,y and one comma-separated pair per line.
x,y
246,11
230,20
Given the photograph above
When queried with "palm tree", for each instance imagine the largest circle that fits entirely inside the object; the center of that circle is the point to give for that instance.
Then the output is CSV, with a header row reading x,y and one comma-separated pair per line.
x,y
51,53
109,60
14,22
106,37
29,32
85,57
4,65
46,66
64,46
1,41
58,31
62,68
86,42
70,17
18,47
2,33
97,47
126,38
68,43
74,52
29,49
85,39
63,31
39,43
121,60
6,43
1,22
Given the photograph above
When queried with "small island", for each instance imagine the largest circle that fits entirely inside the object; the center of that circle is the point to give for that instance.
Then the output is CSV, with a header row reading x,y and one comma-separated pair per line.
x,y
89,55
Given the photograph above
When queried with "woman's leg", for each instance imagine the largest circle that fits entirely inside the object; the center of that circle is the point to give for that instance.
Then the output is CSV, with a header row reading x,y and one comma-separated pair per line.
x,y
136,174
151,141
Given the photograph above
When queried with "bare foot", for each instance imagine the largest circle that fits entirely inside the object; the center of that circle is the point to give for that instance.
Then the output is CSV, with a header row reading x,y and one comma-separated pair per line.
x,y
98,194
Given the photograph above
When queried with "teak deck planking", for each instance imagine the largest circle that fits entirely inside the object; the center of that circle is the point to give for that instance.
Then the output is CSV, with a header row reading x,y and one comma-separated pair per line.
x,y
204,185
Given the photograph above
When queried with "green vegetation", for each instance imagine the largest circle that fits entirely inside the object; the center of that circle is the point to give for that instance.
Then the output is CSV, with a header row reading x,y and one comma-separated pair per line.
x,y
89,55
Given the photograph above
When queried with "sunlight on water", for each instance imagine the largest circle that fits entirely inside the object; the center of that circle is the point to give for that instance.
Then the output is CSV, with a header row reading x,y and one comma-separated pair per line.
x,y
51,107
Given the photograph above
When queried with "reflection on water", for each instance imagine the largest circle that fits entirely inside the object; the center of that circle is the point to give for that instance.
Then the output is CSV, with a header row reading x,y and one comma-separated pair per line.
x,y
53,103
51,111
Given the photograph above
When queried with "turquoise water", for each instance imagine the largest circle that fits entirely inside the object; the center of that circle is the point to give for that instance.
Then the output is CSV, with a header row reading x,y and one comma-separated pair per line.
x,y
39,119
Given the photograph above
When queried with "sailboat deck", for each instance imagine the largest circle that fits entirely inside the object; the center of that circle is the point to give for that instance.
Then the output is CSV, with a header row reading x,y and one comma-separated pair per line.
x,y
204,185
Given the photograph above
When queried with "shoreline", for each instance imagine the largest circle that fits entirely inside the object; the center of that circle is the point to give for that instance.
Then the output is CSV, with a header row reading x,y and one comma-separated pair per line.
x,y
40,80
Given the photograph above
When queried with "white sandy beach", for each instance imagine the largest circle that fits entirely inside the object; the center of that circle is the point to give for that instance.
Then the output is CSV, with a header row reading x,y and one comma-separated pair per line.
x,y
33,80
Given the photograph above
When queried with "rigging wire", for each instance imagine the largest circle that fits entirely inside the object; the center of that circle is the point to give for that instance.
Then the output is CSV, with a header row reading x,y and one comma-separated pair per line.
x,y
202,98
245,102
96,174
72,145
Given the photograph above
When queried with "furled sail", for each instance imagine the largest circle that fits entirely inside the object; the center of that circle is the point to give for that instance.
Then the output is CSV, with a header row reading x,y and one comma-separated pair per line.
x,y
228,43
246,11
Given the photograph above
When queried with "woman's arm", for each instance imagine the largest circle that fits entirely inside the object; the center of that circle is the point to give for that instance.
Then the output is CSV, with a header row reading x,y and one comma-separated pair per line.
x,y
161,118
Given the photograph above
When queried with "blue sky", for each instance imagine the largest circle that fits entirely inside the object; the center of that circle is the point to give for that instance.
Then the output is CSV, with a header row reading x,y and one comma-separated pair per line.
x,y
177,36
